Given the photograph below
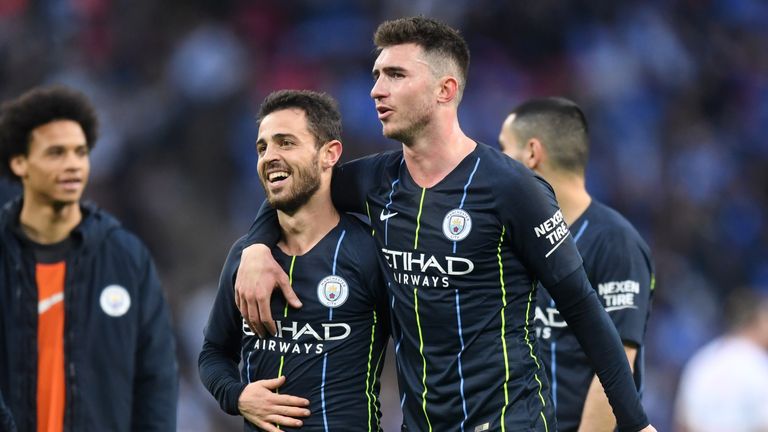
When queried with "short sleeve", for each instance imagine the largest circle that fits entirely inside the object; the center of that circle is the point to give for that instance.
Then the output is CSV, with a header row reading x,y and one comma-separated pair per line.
x,y
622,277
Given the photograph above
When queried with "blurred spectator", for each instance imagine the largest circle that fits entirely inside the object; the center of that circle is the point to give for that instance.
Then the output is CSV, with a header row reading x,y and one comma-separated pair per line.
x,y
676,91
724,386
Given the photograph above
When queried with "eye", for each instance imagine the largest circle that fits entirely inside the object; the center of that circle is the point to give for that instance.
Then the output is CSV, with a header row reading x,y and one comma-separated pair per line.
x,y
55,151
261,148
82,151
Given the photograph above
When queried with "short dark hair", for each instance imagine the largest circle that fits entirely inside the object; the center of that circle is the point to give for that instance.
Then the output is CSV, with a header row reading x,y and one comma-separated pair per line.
x,y
37,107
323,117
433,36
561,127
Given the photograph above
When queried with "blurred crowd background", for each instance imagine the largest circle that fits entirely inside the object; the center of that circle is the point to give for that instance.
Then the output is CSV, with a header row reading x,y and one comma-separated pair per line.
x,y
676,92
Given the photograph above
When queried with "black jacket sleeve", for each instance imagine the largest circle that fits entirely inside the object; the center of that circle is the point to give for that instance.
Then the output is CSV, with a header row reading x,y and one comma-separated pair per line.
x,y
156,381
220,356
578,304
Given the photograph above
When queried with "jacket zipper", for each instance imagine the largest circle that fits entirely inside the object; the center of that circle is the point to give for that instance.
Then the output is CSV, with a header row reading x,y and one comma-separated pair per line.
x,y
69,326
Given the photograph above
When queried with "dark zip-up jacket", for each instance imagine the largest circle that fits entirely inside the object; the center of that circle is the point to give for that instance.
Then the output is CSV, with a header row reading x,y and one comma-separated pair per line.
x,y
120,362
6,420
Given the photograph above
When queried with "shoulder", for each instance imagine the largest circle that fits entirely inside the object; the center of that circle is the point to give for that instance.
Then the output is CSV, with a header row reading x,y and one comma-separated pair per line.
x,y
612,226
506,174
358,239
376,161
356,231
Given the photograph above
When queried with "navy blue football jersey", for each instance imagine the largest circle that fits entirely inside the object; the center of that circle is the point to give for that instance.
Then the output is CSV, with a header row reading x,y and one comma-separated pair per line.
x,y
462,259
619,266
331,350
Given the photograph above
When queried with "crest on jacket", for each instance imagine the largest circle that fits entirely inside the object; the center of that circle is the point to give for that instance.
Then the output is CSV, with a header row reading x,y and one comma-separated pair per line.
x,y
115,300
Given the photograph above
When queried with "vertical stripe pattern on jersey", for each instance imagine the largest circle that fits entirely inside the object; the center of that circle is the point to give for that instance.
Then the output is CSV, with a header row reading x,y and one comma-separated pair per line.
x,y
418,319
423,359
464,196
458,310
391,192
397,342
330,318
386,222
285,315
375,375
418,218
553,344
503,330
533,356
368,379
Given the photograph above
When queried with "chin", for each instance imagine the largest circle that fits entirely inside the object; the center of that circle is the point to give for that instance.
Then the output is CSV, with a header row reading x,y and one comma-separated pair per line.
x,y
60,203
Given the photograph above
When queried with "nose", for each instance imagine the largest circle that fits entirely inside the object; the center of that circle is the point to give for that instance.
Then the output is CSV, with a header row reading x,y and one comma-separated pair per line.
x,y
269,153
76,161
378,91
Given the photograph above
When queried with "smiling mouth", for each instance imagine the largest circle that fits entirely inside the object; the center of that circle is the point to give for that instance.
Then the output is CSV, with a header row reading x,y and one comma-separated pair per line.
x,y
70,183
276,179
277,176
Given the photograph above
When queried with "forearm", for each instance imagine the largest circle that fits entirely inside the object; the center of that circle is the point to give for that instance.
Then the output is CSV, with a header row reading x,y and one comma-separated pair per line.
x,y
578,304
597,414
219,374
265,229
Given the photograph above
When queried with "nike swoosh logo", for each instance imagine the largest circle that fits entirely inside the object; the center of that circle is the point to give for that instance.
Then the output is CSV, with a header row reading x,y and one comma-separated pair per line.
x,y
49,302
384,217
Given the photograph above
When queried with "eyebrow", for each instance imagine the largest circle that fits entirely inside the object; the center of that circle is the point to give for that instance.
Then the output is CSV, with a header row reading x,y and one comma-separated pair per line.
x,y
277,137
388,69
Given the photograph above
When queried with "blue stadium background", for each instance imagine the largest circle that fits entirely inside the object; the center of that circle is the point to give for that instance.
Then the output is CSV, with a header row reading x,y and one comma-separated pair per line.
x,y
676,92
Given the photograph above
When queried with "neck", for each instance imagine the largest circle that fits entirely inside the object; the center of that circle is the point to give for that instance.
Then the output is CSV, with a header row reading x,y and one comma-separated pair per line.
x,y
571,193
48,223
302,230
438,149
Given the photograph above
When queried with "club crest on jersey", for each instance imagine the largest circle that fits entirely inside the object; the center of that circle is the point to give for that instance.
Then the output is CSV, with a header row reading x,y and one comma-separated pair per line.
x,y
332,291
115,300
457,224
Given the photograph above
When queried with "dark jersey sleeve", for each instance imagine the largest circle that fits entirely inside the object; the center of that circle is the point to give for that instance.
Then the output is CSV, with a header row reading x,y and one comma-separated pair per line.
x,y
539,234
542,240
378,286
220,356
622,276
351,182
578,304
265,229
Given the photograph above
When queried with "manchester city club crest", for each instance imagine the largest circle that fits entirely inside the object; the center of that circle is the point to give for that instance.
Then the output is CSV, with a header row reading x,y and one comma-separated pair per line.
x,y
457,224
332,291
115,300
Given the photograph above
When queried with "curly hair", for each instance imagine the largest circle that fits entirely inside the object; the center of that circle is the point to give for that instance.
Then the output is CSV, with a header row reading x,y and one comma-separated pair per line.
x,y
37,107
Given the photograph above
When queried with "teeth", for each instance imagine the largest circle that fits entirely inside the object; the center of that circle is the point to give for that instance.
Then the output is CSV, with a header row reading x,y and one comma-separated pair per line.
x,y
277,175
